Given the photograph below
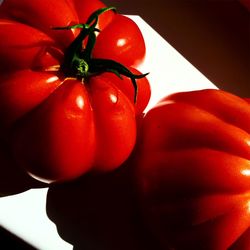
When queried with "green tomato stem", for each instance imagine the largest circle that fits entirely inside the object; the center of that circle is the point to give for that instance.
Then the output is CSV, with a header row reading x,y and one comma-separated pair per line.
x,y
78,61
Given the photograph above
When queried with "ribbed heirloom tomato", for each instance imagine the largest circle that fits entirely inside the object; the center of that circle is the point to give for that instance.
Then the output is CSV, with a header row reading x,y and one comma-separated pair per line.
x,y
193,171
66,107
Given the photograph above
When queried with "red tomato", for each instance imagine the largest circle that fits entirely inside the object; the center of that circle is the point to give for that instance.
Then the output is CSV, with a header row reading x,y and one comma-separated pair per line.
x,y
85,8
193,171
76,128
42,15
125,45
248,100
23,90
26,47
120,38
56,123
121,41
126,87
66,125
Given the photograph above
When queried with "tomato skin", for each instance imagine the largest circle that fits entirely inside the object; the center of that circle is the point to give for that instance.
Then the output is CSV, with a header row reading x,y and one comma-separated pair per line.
x,y
55,126
143,92
243,242
21,45
121,41
23,90
56,134
85,8
192,170
120,38
73,131
115,122
43,15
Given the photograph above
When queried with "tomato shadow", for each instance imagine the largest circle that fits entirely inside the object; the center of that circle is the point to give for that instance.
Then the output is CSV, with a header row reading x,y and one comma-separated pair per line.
x,y
99,212
14,180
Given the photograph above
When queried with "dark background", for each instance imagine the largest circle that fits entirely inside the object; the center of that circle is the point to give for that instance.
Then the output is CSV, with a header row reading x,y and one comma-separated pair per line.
x,y
214,35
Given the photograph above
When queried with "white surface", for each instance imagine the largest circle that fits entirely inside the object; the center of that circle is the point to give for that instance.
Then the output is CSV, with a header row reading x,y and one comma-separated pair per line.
x,y
169,71
25,215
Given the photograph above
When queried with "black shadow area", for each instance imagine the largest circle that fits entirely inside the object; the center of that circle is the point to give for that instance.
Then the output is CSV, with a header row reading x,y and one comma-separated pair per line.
x,y
99,212
13,179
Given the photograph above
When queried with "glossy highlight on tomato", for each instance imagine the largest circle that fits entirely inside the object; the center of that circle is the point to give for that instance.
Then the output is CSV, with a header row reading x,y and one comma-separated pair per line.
x,y
119,45
58,123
